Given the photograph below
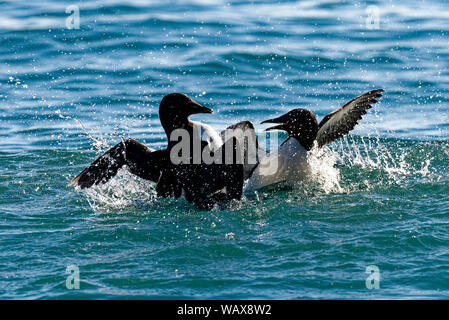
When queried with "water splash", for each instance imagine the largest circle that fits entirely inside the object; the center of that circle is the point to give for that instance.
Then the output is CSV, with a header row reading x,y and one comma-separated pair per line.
x,y
323,171
123,192
371,162
351,164
100,143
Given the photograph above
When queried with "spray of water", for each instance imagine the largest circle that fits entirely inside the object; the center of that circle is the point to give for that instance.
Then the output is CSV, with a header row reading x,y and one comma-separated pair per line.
x,y
323,171
123,192
351,164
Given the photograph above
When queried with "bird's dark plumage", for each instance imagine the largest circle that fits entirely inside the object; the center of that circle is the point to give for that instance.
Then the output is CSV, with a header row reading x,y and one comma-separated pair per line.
x,y
142,161
290,161
203,184
302,124
249,146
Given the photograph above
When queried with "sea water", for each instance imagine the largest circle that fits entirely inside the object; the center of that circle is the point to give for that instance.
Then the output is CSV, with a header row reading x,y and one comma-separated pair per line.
x,y
76,77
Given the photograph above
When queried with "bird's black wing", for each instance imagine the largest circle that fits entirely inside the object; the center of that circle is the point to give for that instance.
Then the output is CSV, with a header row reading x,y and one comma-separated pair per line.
x,y
249,146
207,183
339,122
142,161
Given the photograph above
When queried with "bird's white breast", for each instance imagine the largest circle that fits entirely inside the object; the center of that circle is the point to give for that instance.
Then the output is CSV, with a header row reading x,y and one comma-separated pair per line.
x,y
287,163
207,133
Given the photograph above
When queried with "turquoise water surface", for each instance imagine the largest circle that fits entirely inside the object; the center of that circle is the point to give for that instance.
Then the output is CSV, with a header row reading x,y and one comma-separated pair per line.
x,y
381,197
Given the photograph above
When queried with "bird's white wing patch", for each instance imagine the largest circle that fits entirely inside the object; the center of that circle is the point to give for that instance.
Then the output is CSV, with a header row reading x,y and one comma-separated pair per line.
x,y
208,134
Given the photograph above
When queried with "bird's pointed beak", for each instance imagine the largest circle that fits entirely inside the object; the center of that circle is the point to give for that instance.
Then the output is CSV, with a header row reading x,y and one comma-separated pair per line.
x,y
280,126
195,107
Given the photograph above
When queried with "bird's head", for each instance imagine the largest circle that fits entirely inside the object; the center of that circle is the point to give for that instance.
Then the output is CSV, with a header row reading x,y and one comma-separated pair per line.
x,y
175,108
299,123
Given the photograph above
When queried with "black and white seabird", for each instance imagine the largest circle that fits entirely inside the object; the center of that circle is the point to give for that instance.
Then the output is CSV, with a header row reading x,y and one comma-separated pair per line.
x,y
289,161
201,183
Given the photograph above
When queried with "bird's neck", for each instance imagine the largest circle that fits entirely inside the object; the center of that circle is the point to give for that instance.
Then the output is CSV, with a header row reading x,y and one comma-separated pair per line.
x,y
172,137
170,124
306,140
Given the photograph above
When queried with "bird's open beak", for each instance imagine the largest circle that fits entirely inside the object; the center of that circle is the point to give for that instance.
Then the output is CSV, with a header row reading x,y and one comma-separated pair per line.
x,y
280,126
195,107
